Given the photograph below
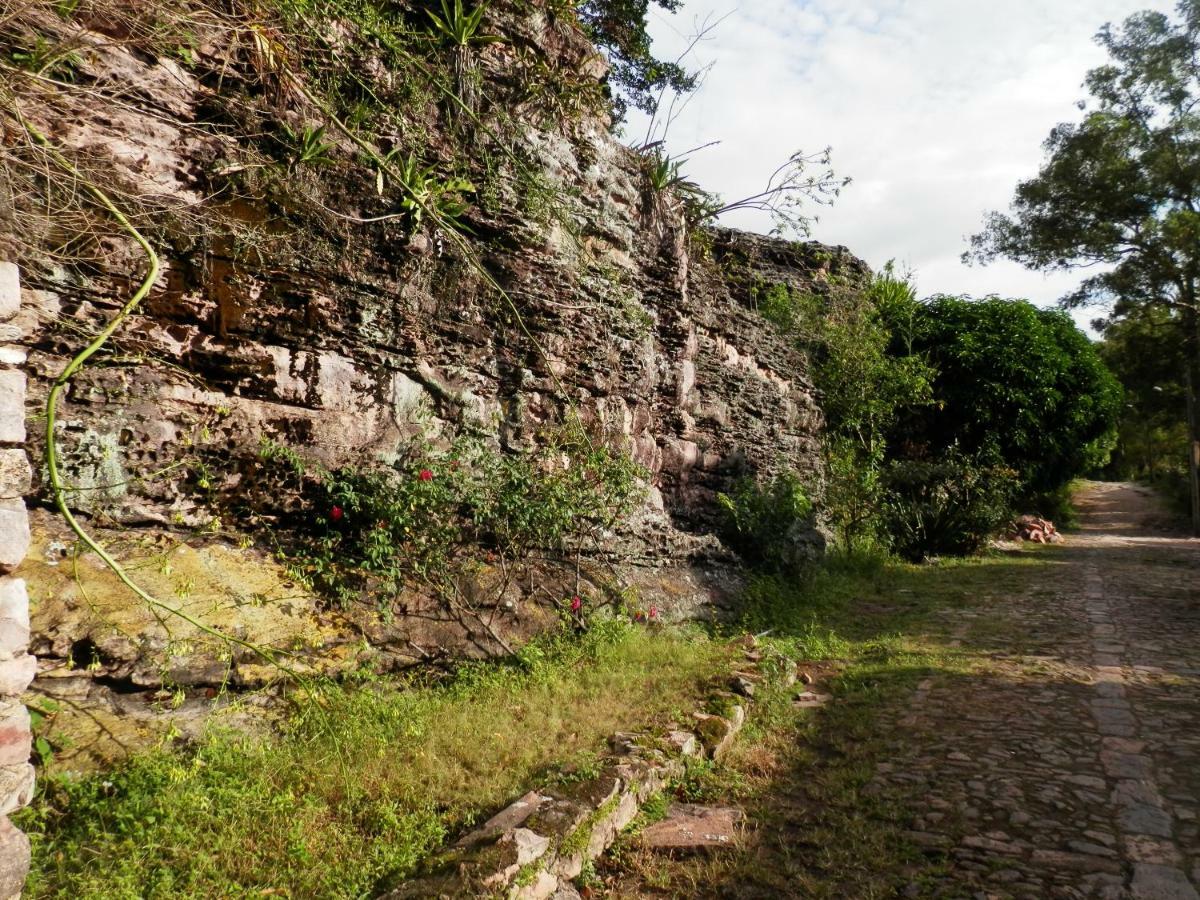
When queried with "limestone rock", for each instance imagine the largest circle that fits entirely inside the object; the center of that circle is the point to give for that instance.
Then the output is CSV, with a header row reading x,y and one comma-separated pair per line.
x,y
16,675
16,743
14,534
17,785
12,406
10,290
811,700
14,858
15,474
683,742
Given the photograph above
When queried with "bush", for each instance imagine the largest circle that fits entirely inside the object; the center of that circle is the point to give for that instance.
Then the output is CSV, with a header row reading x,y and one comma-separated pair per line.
x,y
371,531
950,505
1019,383
764,523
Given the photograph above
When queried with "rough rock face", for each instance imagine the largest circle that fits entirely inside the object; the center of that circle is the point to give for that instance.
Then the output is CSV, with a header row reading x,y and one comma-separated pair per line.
x,y
345,341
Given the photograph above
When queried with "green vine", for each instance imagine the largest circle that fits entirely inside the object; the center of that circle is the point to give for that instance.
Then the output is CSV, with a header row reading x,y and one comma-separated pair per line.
x,y
77,363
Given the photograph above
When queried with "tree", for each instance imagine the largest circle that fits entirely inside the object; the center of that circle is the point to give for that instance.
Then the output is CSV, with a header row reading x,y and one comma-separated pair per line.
x,y
619,28
1146,355
1120,190
1014,383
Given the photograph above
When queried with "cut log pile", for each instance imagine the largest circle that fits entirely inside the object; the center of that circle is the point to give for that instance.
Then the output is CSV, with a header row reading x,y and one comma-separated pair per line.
x,y
1036,530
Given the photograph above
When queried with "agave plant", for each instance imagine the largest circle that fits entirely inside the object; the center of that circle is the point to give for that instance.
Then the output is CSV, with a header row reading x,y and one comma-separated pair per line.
x,y
425,192
459,26
308,147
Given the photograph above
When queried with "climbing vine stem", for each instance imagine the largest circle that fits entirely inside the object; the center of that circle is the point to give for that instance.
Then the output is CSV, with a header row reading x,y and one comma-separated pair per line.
x,y
59,385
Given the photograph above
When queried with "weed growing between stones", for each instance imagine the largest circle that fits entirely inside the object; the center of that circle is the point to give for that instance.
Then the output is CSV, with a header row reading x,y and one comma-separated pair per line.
x,y
356,792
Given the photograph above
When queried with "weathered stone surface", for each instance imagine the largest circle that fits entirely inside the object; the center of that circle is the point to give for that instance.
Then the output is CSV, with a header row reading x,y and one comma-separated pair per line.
x,y
12,406
716,733
10,290
691,827
348,343
16,743
508,819
14,534
1151,882
17,785
14,618
742,685
16,476
14,859
811,700
683,742
16,675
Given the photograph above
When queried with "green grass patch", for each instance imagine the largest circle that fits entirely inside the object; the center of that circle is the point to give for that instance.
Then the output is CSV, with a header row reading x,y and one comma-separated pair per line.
x,y
356,790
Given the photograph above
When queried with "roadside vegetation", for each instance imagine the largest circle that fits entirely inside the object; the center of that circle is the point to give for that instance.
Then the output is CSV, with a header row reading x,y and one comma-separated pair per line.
x,y
945,416
1116,198
361,781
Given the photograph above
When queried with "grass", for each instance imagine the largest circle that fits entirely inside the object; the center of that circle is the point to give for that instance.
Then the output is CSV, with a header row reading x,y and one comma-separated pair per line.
x,y
868,630
356,790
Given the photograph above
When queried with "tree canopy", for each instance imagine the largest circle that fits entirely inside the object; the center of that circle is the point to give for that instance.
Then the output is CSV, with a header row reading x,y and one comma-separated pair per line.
x,y
619,28
1013,382
1120,188
1120,191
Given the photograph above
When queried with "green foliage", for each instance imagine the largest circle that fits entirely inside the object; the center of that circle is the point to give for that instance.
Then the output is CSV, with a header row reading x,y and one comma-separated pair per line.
x,y
1022,385
865,384
950,505
662,171
307,147
371,532
459,26
760,521
1119,191
356,786
47,59
425,192
618,27
1149,359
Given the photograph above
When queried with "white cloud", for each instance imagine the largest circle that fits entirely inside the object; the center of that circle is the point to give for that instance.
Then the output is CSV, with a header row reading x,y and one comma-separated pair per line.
x,y
936,109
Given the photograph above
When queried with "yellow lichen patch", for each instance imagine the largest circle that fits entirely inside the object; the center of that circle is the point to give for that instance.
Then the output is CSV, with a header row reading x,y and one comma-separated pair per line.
x,y
239,591
121,674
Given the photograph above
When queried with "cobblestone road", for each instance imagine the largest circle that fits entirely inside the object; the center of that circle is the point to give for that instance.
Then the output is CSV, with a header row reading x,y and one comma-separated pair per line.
x,y
1070,766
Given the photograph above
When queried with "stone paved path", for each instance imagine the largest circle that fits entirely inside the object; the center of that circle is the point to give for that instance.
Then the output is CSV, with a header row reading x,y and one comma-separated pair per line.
x,y
1069,767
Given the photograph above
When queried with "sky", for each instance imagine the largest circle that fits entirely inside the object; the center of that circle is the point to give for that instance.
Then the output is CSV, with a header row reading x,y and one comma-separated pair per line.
x,y
935,108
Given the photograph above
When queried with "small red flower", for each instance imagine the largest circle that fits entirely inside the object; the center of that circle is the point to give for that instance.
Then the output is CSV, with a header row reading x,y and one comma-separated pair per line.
x,y
336,513
576,603
653,612
639,616
426,475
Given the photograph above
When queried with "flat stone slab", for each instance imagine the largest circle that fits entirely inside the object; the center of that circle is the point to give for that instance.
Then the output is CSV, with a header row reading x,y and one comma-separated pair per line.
x,y
811,700
1152,882
691,827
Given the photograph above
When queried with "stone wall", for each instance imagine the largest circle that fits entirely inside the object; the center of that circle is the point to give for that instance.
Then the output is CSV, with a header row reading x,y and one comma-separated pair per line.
x,y
17,667
301,309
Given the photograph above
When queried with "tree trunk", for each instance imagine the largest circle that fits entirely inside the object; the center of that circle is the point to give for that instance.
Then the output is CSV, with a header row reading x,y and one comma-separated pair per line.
x,y
1191,383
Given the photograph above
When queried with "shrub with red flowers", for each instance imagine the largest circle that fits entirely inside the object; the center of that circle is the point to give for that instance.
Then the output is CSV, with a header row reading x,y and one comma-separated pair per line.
x,y
423,520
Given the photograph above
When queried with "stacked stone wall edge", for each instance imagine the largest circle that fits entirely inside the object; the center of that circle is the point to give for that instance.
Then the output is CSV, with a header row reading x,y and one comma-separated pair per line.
x,y
17,666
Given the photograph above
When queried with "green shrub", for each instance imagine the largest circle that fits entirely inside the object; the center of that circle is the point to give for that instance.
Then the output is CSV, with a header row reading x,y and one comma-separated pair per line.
x,y
761,521
950,505
371,531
